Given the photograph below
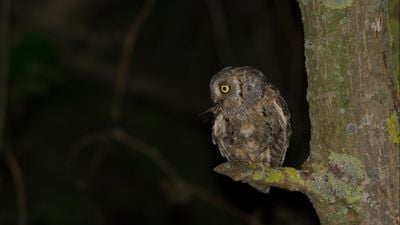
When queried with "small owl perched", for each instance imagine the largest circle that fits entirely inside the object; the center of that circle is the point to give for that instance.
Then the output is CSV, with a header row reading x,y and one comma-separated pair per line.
x,y
251,118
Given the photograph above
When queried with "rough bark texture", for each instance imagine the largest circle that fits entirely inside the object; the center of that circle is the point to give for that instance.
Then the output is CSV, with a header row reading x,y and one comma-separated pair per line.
x,y
352,96
352,174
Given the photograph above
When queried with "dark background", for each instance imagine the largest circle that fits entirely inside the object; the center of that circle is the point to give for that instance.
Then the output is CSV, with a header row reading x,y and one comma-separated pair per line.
x,y
64,60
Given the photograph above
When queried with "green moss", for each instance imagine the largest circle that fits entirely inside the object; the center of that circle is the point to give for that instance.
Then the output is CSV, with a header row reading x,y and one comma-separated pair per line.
x,y
341,216
258,175
292,172
354,198
275,176
295,176
253,166
337,4
270,175
393,128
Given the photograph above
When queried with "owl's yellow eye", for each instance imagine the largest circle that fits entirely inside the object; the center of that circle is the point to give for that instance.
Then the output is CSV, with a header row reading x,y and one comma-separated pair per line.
x,y
224,89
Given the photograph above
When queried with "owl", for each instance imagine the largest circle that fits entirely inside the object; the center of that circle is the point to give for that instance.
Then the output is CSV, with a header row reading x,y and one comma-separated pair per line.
x,y
251,119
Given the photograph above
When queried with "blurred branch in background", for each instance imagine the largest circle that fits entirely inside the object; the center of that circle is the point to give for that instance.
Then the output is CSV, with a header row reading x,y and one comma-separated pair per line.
x,y
176,188
149,151
12,163
182,187
16,173
126,56
85,142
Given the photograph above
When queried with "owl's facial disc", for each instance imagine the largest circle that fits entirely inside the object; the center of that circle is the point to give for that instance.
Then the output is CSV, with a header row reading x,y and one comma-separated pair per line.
x,y
235,89
225,92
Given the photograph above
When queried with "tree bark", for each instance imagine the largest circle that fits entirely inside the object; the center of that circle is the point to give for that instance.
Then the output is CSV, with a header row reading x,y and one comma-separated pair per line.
x,y
352,175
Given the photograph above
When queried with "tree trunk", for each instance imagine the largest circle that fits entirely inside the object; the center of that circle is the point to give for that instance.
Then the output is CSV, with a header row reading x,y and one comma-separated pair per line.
x,y
353,98
353,173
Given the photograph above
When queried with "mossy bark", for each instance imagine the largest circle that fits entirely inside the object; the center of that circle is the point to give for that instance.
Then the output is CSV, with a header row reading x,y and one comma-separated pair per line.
x,y
353,99
352,175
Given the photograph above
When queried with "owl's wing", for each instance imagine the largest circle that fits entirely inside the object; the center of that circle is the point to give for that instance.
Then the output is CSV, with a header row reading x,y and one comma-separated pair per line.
x,y
277,128
219,135
214,138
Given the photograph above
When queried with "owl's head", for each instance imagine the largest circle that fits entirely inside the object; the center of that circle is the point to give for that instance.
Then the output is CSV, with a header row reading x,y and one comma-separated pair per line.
x,y
233,87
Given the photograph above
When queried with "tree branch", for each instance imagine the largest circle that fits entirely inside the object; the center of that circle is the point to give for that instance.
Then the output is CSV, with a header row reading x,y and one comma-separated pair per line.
x,y
339,182
16,173
126,56
262,177
179,184
153,153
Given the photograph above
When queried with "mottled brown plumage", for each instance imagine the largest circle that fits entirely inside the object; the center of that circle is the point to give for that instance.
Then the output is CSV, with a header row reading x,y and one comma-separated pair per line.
x,y
251,118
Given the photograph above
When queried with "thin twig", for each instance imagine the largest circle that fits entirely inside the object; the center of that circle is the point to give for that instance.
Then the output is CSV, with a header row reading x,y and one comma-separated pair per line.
x,y
161,162
83,143
16,173
126,56
95,162
149,151
202,194
4,64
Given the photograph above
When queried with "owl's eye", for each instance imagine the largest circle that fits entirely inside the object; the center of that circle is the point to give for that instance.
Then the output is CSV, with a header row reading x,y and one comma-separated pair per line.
x,y
224,89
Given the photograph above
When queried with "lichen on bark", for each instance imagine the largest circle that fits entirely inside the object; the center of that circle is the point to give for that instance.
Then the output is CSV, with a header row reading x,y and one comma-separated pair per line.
x,y
393,128
340,181
337,4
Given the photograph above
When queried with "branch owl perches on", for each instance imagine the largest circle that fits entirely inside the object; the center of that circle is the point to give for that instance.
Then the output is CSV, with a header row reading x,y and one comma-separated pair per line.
x,y
251,122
